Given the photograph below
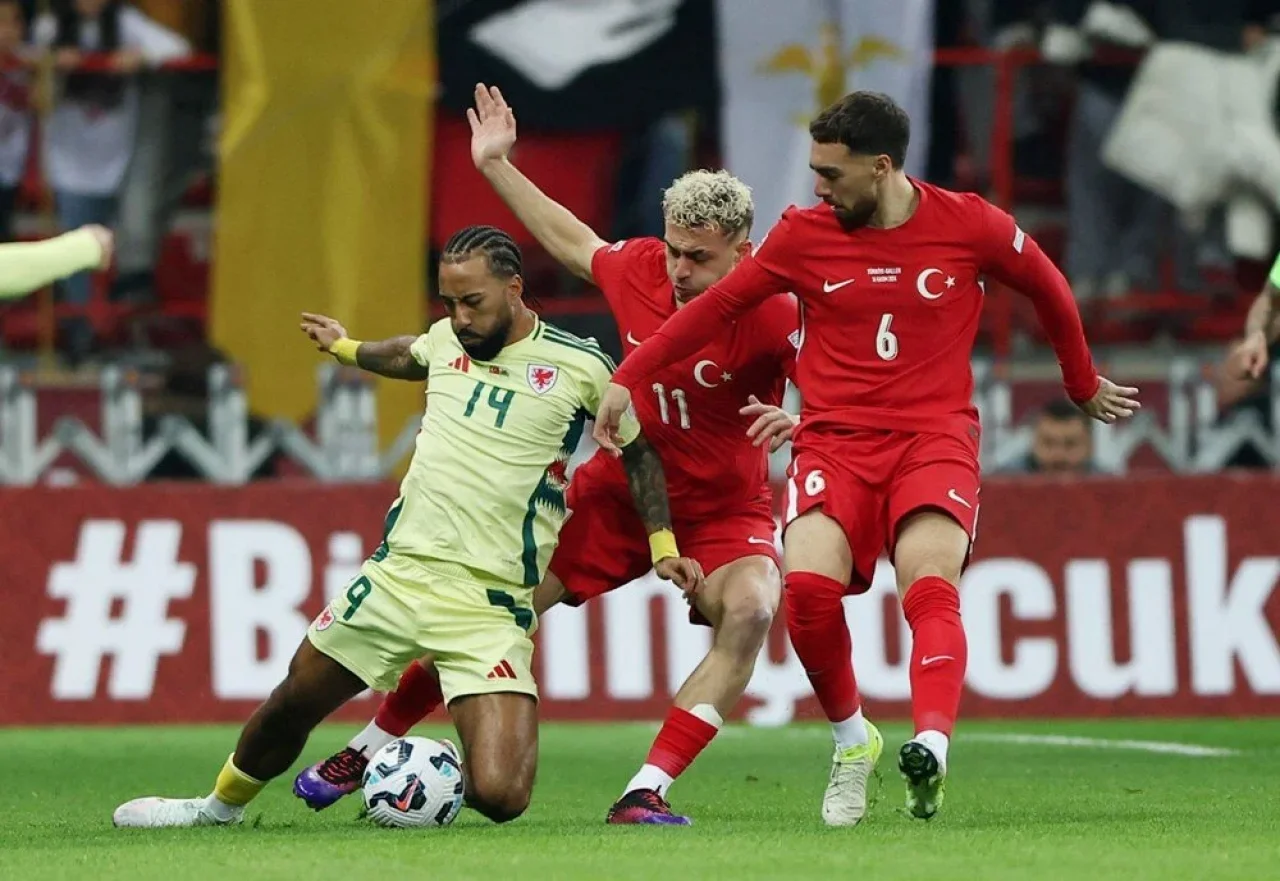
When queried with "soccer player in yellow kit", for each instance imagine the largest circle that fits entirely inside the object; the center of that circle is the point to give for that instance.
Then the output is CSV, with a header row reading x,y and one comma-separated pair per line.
x,y
465,544
28,266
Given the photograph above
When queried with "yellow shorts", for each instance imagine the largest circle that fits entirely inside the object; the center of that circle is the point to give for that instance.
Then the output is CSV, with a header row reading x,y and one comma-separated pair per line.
x,y
399,609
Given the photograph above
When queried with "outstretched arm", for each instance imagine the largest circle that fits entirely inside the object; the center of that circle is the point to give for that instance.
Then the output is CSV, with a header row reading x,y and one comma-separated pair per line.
x,y
28,266
1013,257
493,133
392,358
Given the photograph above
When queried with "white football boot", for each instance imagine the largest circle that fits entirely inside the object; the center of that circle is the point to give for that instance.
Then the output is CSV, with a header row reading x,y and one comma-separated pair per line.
x,y
160,813
845,802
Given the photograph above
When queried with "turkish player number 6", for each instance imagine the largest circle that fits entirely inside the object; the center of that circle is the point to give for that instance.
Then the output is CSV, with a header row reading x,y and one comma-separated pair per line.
x,y
664,410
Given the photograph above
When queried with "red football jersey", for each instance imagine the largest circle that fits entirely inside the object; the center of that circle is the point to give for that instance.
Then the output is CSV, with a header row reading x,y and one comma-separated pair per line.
x,y
889,315
688,409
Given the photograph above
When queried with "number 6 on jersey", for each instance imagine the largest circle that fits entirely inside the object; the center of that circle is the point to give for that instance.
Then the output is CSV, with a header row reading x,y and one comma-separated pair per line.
x,y
886,340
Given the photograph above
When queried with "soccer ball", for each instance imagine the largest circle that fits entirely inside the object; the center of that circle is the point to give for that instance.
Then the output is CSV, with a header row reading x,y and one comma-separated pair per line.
x,y
413,782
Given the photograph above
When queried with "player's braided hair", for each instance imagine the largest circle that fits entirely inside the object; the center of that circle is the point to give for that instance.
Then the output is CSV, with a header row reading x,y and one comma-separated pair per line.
x,y
500,250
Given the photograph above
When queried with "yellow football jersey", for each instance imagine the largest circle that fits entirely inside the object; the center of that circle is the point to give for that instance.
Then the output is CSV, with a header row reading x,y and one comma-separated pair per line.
x,y
486,487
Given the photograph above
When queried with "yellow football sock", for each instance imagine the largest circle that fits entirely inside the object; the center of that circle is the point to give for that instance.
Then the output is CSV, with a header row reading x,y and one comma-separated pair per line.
x,y
235,787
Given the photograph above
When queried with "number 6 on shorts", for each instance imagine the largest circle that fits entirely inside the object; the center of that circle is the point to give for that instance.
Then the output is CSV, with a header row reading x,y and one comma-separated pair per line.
x,y
814,483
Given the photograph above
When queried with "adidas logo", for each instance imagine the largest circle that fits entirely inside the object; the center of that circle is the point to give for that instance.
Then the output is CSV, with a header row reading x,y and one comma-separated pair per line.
x,y
502,671
462,362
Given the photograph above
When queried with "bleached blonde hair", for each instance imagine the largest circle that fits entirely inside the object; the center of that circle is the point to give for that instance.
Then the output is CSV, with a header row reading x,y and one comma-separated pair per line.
x,y
709,199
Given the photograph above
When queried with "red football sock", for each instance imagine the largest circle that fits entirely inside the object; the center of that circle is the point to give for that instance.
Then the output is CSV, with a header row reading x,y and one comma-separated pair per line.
x,y
682,737
939,653
815,621
416,695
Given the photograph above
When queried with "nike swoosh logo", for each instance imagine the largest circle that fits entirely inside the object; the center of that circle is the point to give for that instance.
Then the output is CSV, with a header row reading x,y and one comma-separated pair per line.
x,y
930,659
632,340
955,497
759,541
406,801
828,287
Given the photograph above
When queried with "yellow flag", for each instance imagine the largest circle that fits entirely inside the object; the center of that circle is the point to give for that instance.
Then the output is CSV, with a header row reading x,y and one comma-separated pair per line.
x,y
322,193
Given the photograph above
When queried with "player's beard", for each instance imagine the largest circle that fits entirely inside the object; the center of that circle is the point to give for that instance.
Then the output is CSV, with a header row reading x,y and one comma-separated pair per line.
x,y
487,348
858,215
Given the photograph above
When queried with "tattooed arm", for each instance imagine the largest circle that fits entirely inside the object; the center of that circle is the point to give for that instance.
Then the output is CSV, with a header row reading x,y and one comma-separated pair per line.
x,y
648,484
391,358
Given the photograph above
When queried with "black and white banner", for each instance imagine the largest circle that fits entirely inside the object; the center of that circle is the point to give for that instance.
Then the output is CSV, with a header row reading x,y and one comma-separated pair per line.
x,y
574,65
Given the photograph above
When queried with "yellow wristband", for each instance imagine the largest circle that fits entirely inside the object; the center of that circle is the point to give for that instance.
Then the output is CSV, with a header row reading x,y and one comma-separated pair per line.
x,y
662,544
345,351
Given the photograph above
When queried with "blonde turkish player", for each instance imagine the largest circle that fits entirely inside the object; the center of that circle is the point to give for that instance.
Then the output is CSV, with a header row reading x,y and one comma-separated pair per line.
x,y
466,543
29,266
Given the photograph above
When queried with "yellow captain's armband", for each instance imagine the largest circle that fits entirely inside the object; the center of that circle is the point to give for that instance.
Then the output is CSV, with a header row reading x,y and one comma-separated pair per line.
x,y
662,544
345,351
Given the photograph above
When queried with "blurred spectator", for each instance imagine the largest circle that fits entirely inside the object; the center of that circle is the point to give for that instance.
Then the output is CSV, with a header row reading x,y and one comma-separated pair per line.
x,y
91,131
1113,225
176,112
1063,442
1038,90
1261,21
1199,127
15,109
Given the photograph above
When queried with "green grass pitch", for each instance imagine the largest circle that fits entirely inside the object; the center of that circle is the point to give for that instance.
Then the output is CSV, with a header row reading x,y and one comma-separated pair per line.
x,y
1022,810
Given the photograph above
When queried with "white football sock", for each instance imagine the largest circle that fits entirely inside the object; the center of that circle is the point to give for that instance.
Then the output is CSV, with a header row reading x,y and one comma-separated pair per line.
x,y
937,742
370,740
650,777
220,810
851,732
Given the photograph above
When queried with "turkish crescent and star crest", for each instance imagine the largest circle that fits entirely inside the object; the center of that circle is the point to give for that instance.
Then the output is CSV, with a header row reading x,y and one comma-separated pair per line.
x,y
934,290
542,377
706,367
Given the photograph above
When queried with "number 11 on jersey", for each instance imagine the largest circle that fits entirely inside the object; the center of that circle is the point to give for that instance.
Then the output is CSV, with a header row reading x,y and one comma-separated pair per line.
x,y
664,411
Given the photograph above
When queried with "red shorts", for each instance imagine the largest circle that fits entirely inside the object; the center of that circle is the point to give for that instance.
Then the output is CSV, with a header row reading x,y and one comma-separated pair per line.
x,y
870,481
603,544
